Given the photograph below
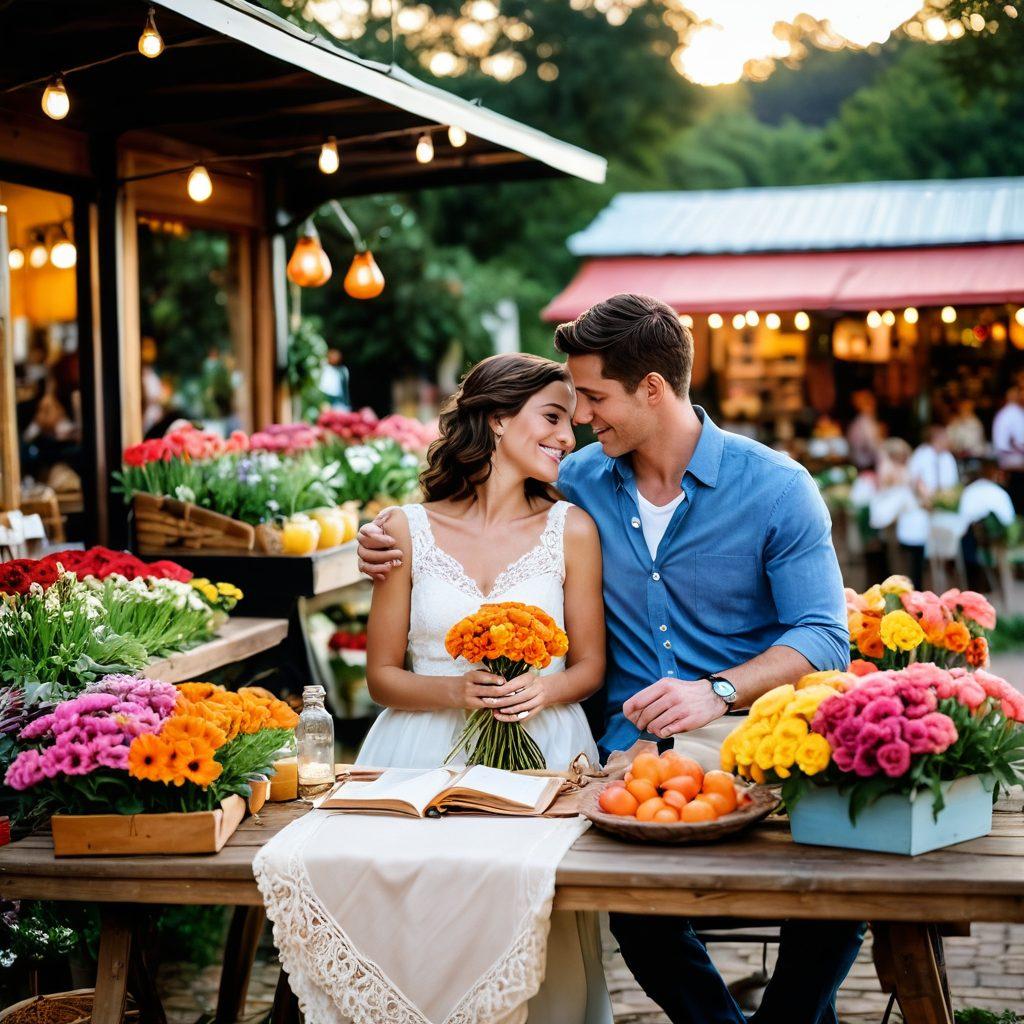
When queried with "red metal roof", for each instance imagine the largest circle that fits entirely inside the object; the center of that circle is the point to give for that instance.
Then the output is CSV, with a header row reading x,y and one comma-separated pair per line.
x,y
861,280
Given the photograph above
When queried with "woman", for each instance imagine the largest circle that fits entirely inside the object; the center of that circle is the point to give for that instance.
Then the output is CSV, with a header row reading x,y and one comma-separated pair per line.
x,y
493,529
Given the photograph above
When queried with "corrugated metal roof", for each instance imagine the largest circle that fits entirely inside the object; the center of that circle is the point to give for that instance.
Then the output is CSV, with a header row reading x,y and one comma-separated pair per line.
x,y
863,215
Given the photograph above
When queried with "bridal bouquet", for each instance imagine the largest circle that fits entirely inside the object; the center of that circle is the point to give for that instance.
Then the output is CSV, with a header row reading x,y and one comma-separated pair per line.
x,y
508,639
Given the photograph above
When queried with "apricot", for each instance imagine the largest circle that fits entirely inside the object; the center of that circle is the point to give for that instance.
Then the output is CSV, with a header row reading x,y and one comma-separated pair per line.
x,y
674,799
666,814
647,766
685,784
719,802
616,800
698,809
722,784
642,789
647,810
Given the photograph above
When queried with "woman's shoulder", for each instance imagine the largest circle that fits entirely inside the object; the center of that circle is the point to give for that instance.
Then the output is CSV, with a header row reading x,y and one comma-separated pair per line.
x,y
579,526
401,521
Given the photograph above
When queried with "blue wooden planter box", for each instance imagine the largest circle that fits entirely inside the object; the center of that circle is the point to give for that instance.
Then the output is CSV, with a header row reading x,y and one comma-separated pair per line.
x,y
895,823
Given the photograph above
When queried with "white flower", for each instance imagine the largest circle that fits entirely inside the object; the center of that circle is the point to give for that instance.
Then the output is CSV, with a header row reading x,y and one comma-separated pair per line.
x,y
183,493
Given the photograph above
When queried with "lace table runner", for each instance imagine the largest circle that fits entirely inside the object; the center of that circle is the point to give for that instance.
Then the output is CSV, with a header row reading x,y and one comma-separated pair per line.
x,y
385,920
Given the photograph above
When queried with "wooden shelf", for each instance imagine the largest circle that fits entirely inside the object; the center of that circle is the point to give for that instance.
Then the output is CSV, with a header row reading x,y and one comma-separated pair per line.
x,y
239,638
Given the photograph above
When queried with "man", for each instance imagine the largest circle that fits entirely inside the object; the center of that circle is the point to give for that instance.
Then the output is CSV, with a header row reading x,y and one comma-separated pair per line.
x,y
864,435
1008,442
720,583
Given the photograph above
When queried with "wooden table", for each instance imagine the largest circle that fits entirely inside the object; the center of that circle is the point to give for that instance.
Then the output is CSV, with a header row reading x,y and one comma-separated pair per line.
x,y
759,874
239,638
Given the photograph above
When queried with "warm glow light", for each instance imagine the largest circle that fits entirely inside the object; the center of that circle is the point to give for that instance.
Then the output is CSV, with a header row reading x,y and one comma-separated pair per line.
x,y
151,43
38,256
686,320
801,321
998,332
456,135
910,315
715,321
425,149
63,255
364,279
739,321
199,186
888,318
874,319
773,321
56,103
443,63
16,259
1019,316
329,160
309,266
948,314
752,318
935,29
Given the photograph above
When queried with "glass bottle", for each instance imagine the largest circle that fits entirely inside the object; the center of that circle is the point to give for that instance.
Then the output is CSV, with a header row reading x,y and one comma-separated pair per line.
x,y
314,740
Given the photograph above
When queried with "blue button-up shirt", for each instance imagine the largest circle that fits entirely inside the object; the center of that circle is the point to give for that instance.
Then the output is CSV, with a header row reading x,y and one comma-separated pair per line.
x,y
746,563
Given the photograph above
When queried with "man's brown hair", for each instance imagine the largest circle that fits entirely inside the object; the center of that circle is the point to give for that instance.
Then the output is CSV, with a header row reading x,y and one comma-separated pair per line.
x,y
634,335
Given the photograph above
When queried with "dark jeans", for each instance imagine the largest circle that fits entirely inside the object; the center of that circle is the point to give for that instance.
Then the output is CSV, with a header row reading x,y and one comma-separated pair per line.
x,y
674,969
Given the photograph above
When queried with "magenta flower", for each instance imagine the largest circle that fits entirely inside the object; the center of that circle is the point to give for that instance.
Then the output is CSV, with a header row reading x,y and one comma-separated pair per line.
x,y
942,732
882,708
865,762
894,758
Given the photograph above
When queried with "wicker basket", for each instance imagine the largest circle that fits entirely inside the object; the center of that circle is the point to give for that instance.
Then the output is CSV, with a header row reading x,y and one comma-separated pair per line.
x,y
763,802
59,1008
165,525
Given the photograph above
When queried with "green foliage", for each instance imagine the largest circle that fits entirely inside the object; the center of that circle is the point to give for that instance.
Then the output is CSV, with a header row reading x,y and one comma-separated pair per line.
x,y
192,934
976,1015
1008,634
307,354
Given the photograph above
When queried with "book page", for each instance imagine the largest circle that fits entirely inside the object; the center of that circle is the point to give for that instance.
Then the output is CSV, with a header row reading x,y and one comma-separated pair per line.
x,y
522,790
410,786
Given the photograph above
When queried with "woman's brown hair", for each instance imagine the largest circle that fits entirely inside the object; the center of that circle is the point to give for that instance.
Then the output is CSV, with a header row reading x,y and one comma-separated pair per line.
x,y
460,459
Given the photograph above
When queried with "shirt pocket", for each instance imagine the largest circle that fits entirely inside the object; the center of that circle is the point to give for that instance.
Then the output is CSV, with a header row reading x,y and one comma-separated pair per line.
x,y
730,592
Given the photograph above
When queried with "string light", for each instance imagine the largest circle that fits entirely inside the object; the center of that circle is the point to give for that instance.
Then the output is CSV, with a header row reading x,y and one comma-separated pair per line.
x,y
752,318
948,314
309,266
1019,316
199,185
773,321
910,315
425,149
329,160
37,255
56,103
151,43
16,259
686,320
739,321
364,279
456,136
801,321
715,321
63,254
874,319
888,318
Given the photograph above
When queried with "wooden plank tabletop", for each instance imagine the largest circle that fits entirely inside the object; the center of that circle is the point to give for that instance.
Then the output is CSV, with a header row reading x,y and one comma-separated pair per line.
x,y
240,637
760,873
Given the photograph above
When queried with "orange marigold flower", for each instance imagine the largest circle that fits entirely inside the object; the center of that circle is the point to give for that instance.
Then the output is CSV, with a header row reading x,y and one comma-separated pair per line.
x,y
198,691
977,652
957,637
193,727
195,763
148,757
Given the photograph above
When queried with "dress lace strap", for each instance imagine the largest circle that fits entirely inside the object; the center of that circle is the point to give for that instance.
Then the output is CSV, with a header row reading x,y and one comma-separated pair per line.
x,y
553,537
419,533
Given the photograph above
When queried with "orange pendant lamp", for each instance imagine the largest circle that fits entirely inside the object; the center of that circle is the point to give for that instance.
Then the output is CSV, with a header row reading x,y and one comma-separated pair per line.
x,y
309,266
364,279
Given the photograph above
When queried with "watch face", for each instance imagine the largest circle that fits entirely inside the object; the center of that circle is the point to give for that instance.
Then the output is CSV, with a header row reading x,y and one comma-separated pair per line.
x,y
724,689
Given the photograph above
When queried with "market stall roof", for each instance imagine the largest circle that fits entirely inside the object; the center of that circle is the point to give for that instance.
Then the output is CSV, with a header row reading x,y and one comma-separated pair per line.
x,y
871,279
235,79
861,215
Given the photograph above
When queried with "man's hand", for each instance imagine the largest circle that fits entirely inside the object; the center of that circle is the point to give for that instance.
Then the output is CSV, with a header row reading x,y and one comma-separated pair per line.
x,y
671,706
376,549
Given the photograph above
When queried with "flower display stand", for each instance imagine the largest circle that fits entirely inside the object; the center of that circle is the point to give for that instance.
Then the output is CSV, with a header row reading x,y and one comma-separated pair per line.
x,y
166,526
895,823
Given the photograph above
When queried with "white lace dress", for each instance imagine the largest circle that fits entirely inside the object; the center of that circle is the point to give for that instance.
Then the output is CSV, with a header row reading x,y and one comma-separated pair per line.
x,y
442,594
384,920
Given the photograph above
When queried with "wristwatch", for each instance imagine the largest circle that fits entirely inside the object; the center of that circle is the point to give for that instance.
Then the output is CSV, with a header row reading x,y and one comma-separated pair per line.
x,y
721,687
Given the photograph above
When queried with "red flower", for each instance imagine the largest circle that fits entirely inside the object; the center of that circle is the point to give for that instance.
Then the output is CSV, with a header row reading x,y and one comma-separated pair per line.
x,y
167,570
14,577
43,573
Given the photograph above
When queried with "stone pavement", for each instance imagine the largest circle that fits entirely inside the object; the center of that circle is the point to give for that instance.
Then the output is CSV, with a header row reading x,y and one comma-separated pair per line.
x,y
985,970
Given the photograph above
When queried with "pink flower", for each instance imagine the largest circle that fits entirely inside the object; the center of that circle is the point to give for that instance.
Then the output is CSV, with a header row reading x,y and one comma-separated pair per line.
x,y
843,758
38,728
928,609
865,762
972,606
942,732
882,708
894,758
915,734
25,771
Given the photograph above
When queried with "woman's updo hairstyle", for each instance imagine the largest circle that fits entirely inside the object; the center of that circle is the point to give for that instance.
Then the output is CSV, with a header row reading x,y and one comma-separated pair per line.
x,y
499,386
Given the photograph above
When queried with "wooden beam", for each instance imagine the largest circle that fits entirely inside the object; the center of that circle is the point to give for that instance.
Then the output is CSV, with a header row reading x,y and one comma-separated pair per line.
x,y
10,462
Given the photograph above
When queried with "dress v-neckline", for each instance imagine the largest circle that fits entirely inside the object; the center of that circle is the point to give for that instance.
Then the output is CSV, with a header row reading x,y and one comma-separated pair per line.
x,y
461,569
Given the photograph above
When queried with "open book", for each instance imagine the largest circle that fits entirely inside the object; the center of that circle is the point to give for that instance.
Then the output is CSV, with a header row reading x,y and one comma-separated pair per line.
x,y
425,793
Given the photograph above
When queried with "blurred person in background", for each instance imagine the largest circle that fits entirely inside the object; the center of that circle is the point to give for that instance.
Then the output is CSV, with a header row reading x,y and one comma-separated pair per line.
x,y
933,467
966,434
1008,442
865,433
896,503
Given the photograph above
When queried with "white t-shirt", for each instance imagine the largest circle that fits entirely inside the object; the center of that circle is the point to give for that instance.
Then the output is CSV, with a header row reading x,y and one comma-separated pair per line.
x,y
1008,436
655,519
934,469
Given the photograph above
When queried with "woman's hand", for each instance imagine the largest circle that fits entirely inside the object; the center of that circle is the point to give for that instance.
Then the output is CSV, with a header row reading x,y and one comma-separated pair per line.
x,y
532,695
479,689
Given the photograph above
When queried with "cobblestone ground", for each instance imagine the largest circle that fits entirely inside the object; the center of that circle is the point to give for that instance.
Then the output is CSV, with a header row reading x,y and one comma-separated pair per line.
x,y
985,970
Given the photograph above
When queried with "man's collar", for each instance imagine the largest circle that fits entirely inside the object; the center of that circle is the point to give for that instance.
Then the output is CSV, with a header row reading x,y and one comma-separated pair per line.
x,y
706,460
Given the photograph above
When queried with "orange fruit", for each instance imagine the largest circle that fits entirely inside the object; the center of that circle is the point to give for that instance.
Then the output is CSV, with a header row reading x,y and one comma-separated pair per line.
x,y
646,766
642,789
698,810
647,810
674,799
666,814
721,784
687,766
720,802
669,765
616,800
685,784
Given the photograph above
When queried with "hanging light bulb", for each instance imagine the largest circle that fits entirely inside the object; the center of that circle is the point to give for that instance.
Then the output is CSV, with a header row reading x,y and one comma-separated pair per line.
x,y
686,320
1019,316
63,254
56,103
16,259
874,319
364,279
773,321
425,149
739,321
309,266
752,318
330,160
456,135
888,318
151,43
37,255
801,321
948,314
199,186
910,315
715,321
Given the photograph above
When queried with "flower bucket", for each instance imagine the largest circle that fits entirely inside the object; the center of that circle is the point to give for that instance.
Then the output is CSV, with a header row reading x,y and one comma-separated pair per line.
x,y
100,835
896,823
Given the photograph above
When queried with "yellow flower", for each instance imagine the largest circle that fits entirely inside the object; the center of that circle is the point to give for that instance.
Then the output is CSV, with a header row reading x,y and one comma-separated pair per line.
x,y
813,754
772,702
785,755
900,631
807,701
727,755
896,585
229,590
199,582
874,599
832,677
757,775
791,730
764,757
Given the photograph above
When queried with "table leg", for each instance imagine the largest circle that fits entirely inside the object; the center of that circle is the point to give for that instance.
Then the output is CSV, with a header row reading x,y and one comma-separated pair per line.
x,y
116,928
910,960
239,954
286,1006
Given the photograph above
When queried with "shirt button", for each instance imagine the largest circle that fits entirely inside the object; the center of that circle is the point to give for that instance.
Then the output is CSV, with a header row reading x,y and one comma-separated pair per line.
x,y
668,643
664,629
655,576
670,673
635,523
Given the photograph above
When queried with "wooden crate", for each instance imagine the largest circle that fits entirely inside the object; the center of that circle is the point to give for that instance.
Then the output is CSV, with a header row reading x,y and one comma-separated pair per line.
x,y
165,524
97,835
